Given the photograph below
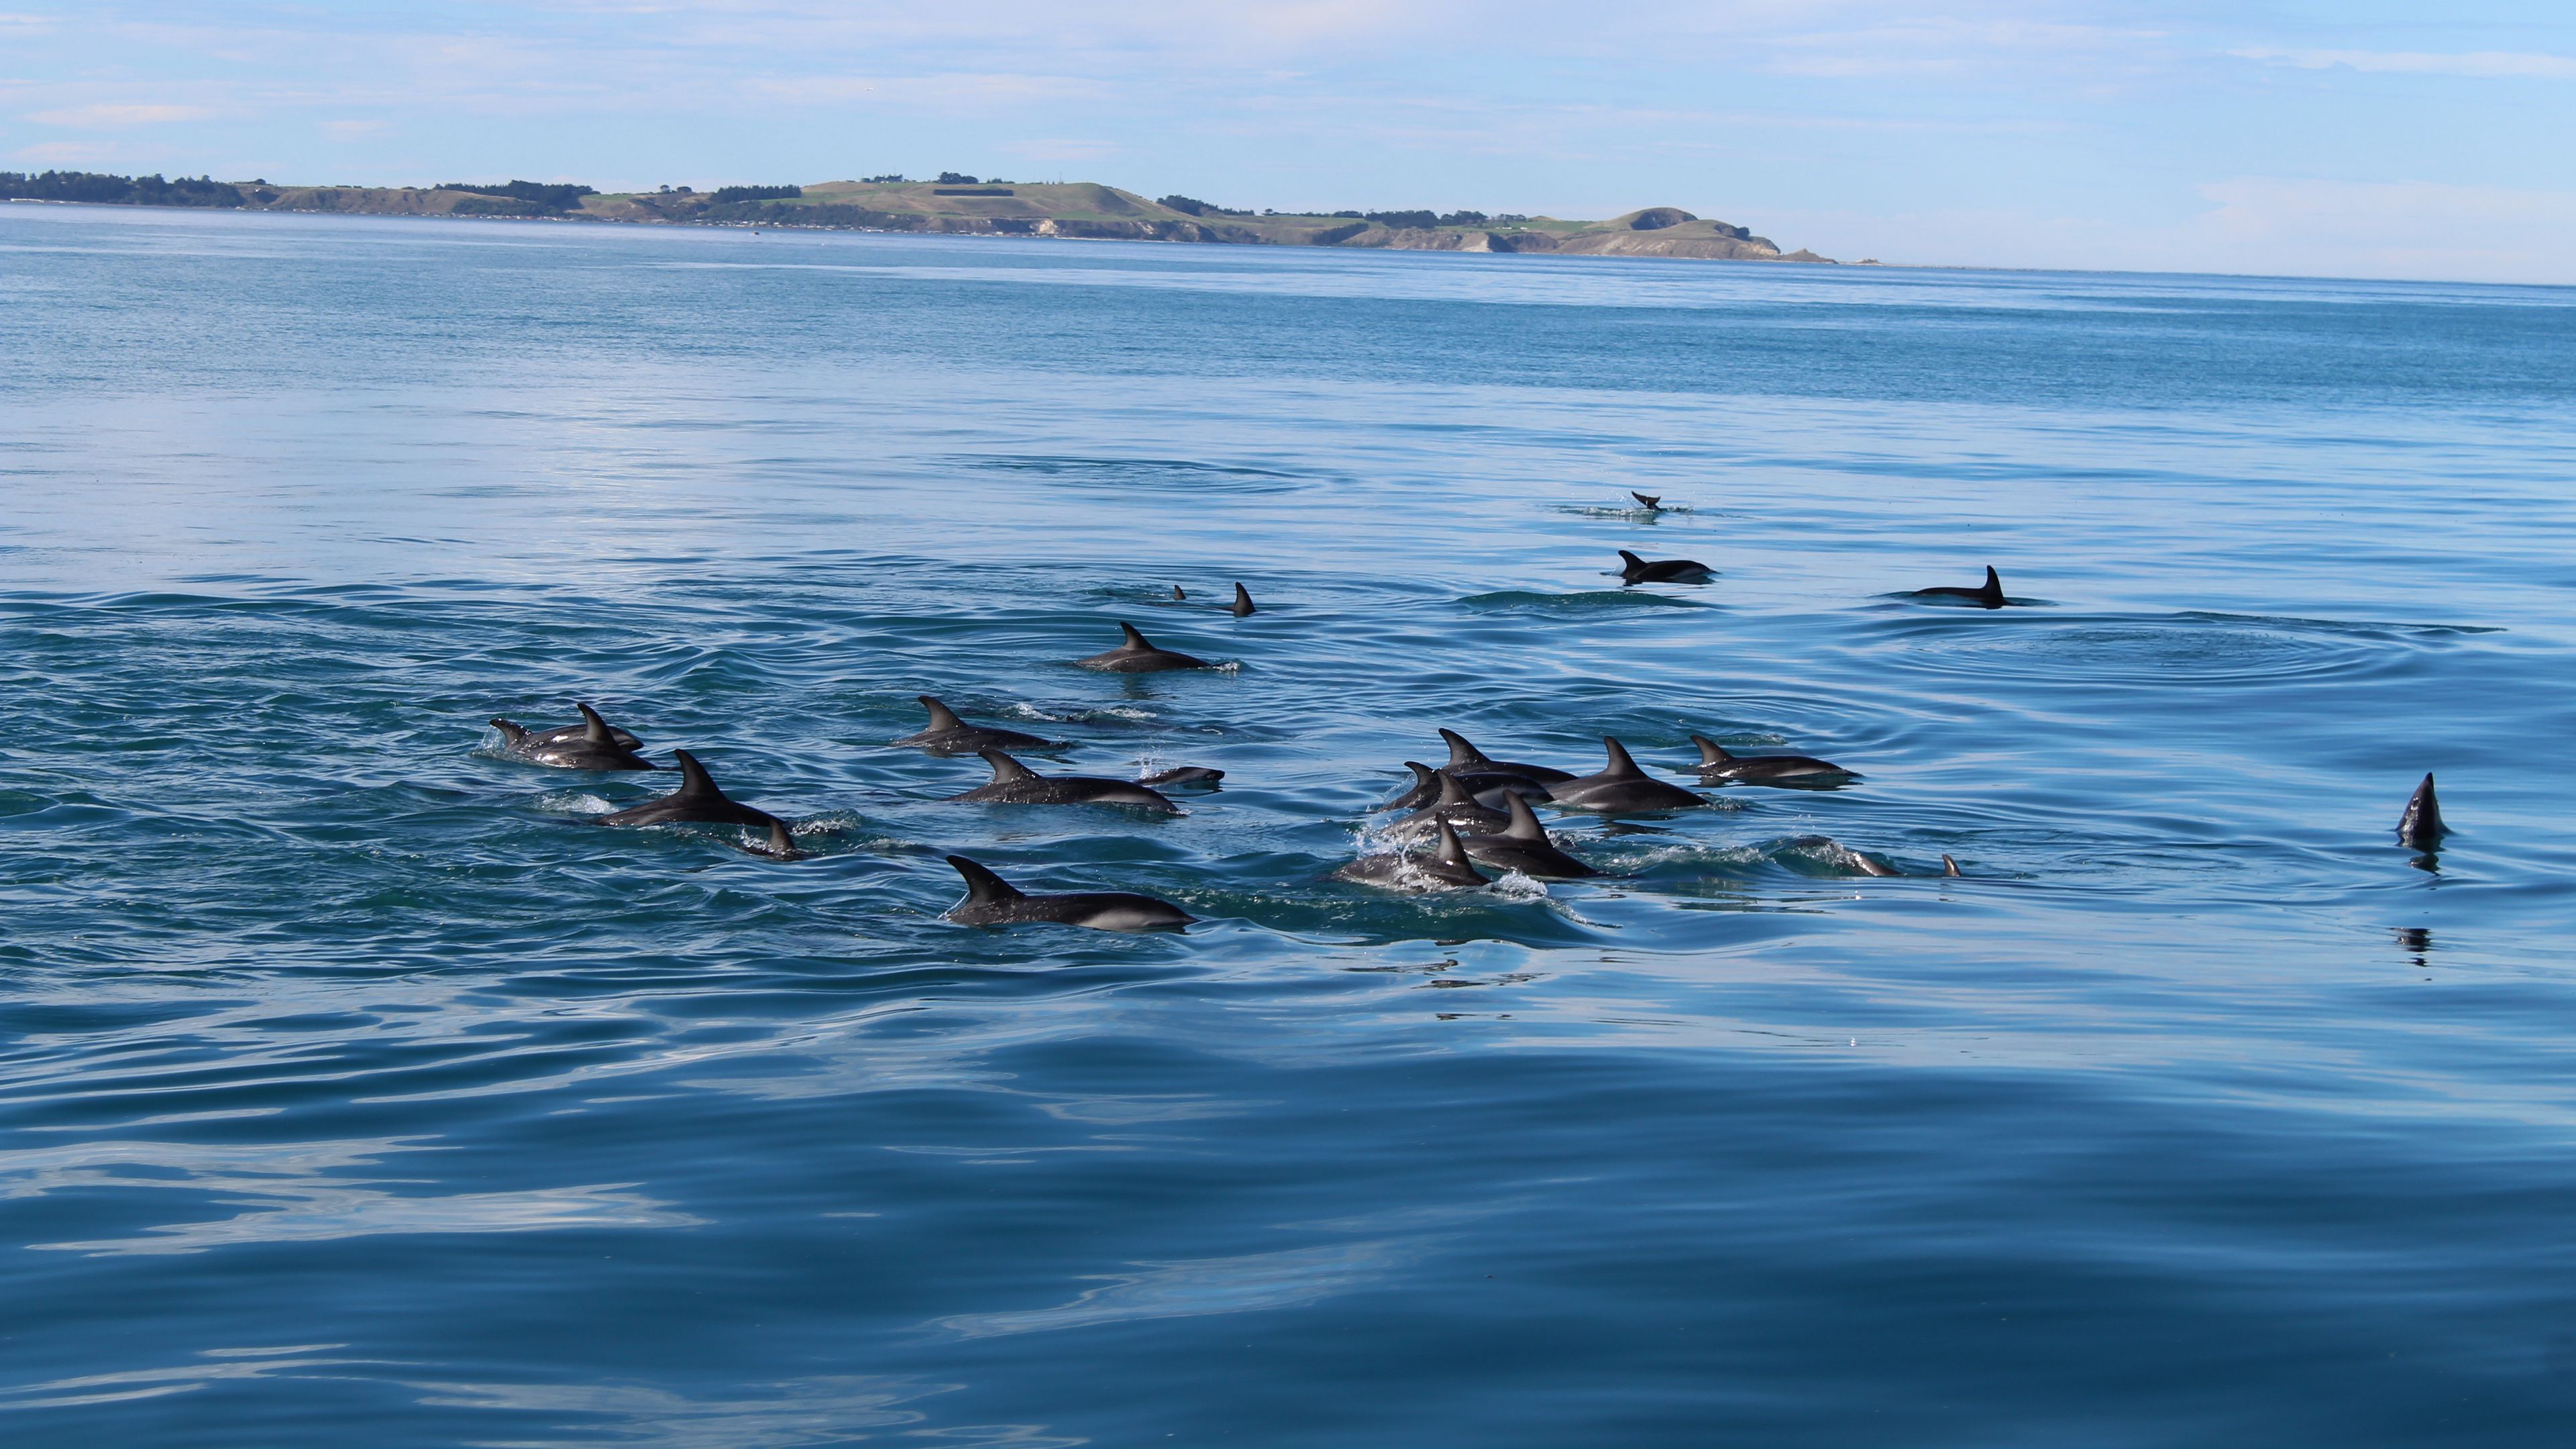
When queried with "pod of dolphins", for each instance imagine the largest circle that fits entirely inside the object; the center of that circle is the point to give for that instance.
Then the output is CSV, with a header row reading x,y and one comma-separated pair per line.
x,y
1474,811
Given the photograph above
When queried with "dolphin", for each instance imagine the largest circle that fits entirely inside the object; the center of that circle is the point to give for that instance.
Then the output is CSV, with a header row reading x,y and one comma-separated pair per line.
x,y
1242,604
1448,865
697,801
949,735
1487,786
1016,784
1523,846
1455,806
1870,864
993,901
1466,759
1989,595
1663,570
1652,503
1717,766
1139,656
2421,827
1197,776
1177,594
779,846
1621,788
517,738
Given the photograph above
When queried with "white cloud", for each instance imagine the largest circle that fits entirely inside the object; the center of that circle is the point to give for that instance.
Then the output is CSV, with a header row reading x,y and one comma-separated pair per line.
x,y
2484,64
91,117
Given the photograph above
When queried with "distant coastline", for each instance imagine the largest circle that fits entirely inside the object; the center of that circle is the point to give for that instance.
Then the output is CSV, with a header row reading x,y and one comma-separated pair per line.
x,y
951,205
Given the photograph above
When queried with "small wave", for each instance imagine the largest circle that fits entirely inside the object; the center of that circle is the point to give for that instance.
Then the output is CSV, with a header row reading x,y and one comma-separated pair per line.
x,y
1524,601
2157,652
1178,474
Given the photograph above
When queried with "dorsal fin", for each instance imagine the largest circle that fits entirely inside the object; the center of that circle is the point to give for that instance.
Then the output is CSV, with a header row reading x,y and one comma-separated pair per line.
x,y
1462,755
1453,854
780,842
1950,867
2421,826
1620,766
1710,751
1524,824
1242,601
1451,792
694,779
1177,595
1421,772
983,888
1006,771
1135,642
942,719
594,729
511,731
1993,592
1631,560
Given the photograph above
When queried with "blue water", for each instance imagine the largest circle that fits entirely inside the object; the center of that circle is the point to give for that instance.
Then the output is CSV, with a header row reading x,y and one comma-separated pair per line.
x,y
354,1090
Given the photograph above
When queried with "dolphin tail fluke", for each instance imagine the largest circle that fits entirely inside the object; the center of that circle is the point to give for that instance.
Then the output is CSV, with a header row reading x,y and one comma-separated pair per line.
x,y
595,730
1135,641
1006,771
983,888
2421,826
1950,867
1652,501
511,731
1620,764
1462,755
1243,601
694,779
1524,824
942,718
1710,751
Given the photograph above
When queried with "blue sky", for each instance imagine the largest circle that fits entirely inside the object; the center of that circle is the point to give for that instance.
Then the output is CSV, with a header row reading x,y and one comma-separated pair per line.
x,y
2361,138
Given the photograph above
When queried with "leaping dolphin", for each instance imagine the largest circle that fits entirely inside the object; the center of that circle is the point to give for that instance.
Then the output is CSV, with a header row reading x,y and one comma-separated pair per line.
x,y
993,901
1718,766
1447,865
2421,827
1636,570
557,746
1621,788
1989,595
1016,784
949,735
697,801
1139,656
1523,846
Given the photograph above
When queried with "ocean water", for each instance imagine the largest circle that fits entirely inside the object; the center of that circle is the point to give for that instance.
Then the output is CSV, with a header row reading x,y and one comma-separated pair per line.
x,y
355,1089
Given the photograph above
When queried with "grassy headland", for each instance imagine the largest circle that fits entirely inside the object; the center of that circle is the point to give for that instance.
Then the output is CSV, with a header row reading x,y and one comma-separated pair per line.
x,y
954,205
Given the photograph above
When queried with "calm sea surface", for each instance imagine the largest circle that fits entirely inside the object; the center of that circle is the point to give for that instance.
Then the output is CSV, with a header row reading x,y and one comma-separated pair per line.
x,y
354,1090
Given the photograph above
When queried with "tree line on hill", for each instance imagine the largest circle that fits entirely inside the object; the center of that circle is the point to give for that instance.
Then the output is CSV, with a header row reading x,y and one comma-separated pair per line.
x,y
96,186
